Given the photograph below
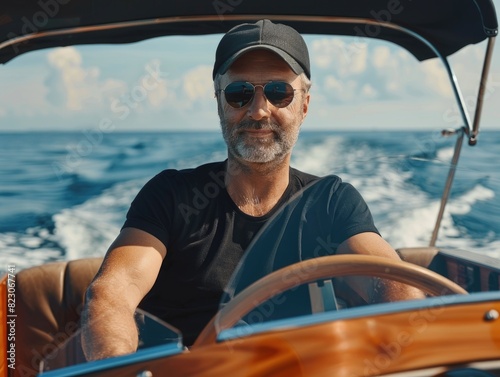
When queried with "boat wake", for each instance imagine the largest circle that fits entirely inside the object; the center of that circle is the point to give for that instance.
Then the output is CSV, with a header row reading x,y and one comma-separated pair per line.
x,y
402,189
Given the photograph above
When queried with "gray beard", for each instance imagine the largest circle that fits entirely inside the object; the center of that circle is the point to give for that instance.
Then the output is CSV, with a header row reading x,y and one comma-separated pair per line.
x,y
276,147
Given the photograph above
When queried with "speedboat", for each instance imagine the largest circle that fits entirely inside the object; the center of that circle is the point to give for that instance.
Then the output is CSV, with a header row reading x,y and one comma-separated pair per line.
x,y
290,308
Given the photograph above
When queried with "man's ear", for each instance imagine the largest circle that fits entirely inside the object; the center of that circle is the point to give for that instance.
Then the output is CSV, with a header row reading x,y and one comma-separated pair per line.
x,y
305,105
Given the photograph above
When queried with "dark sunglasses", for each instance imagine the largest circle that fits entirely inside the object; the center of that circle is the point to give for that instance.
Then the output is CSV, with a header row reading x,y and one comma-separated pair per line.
x,y
240,93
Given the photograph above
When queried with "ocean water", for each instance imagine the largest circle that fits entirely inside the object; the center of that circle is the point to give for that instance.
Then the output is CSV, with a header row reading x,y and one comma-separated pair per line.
x,y
65,195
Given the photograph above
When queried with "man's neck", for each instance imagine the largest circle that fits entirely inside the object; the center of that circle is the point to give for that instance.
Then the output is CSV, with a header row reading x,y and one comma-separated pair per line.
x,y
256,188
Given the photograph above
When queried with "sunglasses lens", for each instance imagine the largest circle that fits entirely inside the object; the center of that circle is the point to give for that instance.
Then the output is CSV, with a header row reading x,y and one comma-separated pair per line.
x,y
279,93
239,93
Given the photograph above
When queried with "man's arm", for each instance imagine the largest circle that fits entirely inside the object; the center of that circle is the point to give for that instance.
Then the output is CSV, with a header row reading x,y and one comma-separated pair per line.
x,y
128,272
382,290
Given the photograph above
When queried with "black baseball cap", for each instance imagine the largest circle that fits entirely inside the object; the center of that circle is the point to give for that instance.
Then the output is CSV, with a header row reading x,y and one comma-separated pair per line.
x,y
264,34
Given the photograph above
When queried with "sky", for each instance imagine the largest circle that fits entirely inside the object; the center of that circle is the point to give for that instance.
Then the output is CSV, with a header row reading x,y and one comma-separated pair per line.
x,y
165,84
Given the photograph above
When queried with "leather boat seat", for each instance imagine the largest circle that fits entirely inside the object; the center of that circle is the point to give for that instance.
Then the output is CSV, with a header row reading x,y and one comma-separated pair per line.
x,y
421,256
49,301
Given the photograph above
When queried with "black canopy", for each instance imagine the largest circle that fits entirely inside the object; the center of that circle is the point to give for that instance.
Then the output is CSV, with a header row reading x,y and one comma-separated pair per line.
x,y
448,24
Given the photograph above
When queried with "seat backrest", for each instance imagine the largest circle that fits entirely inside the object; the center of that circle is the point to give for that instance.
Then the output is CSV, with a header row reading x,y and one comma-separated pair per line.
x,y
422,256
49,301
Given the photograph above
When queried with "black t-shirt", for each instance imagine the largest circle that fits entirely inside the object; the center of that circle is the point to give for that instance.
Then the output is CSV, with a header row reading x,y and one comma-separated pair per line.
x,y
206,234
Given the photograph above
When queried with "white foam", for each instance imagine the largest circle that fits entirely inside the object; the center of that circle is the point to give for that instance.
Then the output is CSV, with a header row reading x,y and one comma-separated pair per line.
x,y
92,169
320,158
409,226
22,256
404,214
463,204
394,203
413,226
445,154
88,229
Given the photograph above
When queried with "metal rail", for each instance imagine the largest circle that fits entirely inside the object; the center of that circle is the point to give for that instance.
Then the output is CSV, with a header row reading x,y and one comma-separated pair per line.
x,y
482,90
447,187
472,138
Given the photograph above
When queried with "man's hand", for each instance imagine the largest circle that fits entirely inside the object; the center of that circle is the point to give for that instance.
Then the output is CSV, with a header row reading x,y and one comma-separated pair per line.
x,y
128,272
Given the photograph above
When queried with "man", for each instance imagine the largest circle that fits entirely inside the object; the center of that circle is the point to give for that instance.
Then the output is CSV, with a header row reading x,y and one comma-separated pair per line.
x,y
186,230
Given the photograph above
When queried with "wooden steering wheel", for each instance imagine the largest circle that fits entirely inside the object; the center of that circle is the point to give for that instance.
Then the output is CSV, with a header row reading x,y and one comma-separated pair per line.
x,y
322,268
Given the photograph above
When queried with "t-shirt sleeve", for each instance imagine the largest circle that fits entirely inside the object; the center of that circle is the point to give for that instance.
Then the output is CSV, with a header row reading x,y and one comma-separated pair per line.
x,y
151,209
350,213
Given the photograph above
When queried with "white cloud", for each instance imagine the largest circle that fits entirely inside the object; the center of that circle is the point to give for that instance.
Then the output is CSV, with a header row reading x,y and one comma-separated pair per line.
x,y
340,90
75,86
197,84
159,95
369,91
331,83
155,86
467,65
348,58
435,77
156,96
165,94
160,92
379,72
382,57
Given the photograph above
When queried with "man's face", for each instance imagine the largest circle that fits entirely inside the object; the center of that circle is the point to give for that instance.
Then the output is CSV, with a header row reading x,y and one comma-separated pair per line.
x,y
259,131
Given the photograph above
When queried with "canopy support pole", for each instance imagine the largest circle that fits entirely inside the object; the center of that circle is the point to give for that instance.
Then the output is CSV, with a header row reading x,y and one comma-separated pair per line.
x,y
449,181
482,91
471,132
